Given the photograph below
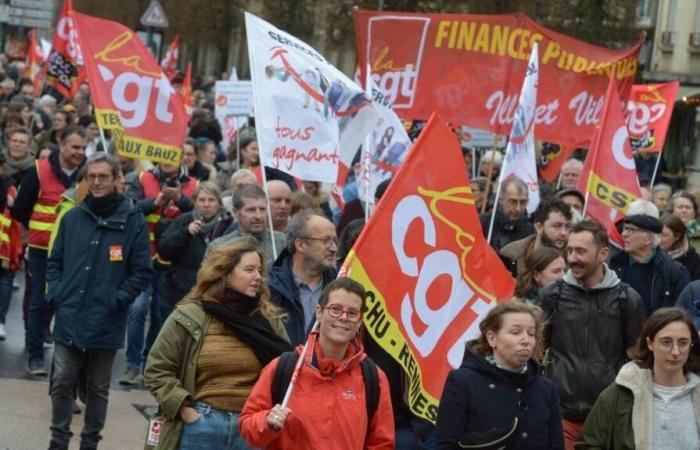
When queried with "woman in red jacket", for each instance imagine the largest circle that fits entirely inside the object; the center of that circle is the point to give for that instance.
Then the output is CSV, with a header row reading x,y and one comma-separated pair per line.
x,y
327,409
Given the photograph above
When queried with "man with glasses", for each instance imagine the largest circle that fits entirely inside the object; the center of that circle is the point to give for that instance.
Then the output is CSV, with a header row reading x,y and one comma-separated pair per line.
x,y
511,222
644,266
99,264
302,270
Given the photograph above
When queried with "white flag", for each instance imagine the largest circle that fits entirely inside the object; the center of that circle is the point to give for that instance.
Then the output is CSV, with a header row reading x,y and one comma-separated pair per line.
x,y
520,153
310,117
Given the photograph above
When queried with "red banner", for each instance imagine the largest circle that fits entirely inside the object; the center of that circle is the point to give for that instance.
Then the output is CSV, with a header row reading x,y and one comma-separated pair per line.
x,y
609,175
169,63
469,68
649,113
429,272
132,95
64,66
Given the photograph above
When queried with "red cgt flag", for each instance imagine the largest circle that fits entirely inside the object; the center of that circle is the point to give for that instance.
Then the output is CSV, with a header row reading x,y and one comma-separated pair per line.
x,y
132,95
169,63
609,176
186,91
429,273
34,62
64,65
553,157
649,113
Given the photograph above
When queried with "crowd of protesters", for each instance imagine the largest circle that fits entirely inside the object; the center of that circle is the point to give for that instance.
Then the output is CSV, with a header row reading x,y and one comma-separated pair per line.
x,y
213,273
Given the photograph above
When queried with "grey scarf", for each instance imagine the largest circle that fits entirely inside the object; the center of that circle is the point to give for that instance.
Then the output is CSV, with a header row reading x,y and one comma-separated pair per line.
x,y
207,227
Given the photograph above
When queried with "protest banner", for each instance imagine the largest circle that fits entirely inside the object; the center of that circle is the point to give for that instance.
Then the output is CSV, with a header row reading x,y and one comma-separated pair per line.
x,y
132,95
310,117
520,160
649,113
233,98
469,68
429,273
64,67
169,63
609,175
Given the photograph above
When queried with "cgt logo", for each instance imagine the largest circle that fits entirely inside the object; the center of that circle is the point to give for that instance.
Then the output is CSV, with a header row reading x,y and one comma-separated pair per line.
x,y
396,72
132,90
66,31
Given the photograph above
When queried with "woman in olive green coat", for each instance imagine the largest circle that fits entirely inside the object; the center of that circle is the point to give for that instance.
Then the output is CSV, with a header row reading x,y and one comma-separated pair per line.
x,y
228,313
654,403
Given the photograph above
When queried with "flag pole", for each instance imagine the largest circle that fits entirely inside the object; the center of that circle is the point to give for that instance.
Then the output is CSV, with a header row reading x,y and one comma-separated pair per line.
x,y
656,169
269,212
368,142
297,369
490,174
495,203
102,138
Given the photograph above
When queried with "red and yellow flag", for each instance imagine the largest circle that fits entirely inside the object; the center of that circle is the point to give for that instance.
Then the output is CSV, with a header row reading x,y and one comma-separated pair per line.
x,y
34,62
132,95
64,65
609,176
430,275
169,63
649,113
186,91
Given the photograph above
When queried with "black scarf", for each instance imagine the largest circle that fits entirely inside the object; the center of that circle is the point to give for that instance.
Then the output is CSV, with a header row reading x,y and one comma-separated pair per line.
x,y
104,206
242,317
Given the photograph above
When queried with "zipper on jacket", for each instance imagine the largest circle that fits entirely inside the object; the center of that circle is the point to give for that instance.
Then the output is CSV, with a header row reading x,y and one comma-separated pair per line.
x,y
494,442
582,378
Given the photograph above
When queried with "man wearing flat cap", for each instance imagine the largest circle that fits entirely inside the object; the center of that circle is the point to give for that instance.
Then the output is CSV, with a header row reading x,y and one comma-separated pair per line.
x,y
645,267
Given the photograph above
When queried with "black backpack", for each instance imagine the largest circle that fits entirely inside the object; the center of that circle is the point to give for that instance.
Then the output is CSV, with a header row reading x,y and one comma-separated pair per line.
x,y
285,368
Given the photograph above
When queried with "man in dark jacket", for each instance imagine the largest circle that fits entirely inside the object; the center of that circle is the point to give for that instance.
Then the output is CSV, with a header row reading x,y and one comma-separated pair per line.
x,y
644,266
592,319
99,263
511,222
302,270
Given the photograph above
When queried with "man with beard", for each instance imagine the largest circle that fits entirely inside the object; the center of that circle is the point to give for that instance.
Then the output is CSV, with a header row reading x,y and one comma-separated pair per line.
x,y
511,222
250,211
591,318
552,222
302,270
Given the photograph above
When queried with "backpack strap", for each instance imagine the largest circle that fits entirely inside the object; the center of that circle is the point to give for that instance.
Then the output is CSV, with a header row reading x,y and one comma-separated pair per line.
x,y
283,375
370,376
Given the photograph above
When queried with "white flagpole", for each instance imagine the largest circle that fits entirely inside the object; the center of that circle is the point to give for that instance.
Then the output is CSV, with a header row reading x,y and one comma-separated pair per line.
x,y
368,142
269,213
495,202
297,369
102,138
656,169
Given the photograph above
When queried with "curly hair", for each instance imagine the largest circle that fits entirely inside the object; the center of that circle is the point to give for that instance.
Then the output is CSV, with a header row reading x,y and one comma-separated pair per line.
x,y
213,274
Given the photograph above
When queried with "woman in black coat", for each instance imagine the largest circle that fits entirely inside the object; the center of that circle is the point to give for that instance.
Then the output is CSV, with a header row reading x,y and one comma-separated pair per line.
x,y
185,240
496,399
674,241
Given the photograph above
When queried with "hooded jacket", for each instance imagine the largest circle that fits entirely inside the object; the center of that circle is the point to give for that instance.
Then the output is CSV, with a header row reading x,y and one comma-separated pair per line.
x,y
515,254
479,397
328,406
588,332
622,417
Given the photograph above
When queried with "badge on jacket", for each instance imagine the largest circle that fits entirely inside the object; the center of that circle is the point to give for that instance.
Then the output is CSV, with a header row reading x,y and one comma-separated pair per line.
x,y
115,253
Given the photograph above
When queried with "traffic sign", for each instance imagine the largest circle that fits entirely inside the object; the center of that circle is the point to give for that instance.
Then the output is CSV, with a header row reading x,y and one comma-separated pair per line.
x,y
46,5
31,13
155,16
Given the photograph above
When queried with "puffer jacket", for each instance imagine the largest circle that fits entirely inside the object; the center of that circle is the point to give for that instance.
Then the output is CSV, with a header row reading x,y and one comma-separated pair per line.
x,y
622,417
328,407
588,332
479,397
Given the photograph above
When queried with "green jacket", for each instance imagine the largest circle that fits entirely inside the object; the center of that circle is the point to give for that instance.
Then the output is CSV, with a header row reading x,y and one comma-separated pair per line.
x,y
172,365
622,417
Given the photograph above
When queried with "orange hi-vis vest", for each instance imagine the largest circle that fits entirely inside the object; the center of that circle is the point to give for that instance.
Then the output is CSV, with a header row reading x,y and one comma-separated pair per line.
x,y
44,213
151,188
10,236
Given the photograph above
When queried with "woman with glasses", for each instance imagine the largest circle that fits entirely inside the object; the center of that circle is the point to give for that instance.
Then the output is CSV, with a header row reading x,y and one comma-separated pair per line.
x,y
212,348
328,407
654,402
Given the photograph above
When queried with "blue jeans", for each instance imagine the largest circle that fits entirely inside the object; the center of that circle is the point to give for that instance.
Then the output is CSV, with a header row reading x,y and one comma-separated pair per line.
x,y
6,278
213,430
39,309
146,301
417,435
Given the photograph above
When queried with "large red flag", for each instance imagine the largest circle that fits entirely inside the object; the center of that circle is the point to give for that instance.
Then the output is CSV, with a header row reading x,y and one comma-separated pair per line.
x,y
131,93
169,63
649,113
186,91
429,273
609,176
64,66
